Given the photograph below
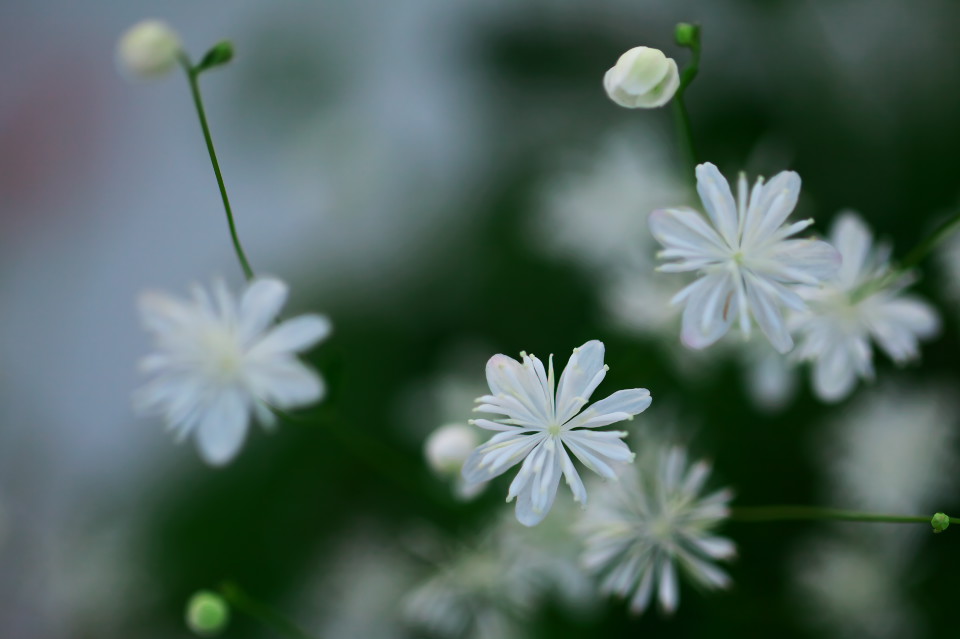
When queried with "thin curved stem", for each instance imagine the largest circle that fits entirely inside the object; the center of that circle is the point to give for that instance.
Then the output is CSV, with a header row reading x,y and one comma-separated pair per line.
x,y
192,76
263,613
814,513
681,117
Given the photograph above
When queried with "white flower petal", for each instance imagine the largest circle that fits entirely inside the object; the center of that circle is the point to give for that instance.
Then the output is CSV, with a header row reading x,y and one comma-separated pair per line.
x,y
718,201
686,229
763,303
704,322
669,592
897,324
770,204
222,428
292,336
581,376
803,261
536,499
619,406
285,382
260,305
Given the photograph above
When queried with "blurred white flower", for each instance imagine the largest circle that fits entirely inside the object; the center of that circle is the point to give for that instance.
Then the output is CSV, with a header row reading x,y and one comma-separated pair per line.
x,y
149,48
540,421
747,264
217,360
855,588
894,451
446,449
836,328
449,446
594,211
483,593
655,519
488,590
642,78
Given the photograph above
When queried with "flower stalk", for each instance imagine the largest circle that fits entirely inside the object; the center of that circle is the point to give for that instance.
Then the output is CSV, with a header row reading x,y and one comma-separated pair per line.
x,y
688,36
193,73
756,514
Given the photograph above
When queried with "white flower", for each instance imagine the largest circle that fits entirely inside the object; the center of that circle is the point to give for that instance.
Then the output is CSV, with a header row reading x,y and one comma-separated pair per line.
x,y
540,422
217,360
636,534
855,588
894,451
148,48
593,212
747,264
642,78
836,329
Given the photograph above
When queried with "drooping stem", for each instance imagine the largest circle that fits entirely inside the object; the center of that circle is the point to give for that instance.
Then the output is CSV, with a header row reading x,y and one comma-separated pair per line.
x,y
193,74
814,513
263,613
688,36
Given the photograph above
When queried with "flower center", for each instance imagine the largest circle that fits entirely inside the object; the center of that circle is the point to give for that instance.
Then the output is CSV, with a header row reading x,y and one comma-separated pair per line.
x,y
222,357
554,429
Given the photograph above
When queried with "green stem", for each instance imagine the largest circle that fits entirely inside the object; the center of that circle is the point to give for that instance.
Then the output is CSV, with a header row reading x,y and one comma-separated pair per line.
x,y
263,613
814,513
681,117
921,250
192,75
902,268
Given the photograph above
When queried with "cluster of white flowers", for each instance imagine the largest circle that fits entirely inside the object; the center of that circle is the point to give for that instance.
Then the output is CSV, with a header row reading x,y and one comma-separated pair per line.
x,y
221,361
838,295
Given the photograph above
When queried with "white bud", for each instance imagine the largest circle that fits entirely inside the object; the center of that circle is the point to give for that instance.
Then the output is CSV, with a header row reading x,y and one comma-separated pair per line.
x,y
148,49
642,78
449,446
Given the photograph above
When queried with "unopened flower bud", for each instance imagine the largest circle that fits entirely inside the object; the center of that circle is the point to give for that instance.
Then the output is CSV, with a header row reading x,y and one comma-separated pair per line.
x,y
687,34
148,49
940,522
221,53
207,613
642,78
449,446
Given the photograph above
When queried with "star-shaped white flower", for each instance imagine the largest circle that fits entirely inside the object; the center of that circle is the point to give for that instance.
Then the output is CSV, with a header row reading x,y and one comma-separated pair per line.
x,y
636,535
218,360
747,265
539,423
842,316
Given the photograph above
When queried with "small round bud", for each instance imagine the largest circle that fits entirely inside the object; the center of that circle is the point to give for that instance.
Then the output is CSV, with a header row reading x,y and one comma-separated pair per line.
x,y
687,34
148,49
642,78
940,522
448,447
207,613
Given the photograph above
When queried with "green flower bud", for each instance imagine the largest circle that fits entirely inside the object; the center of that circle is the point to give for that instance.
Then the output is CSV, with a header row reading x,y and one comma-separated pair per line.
x,y
221,53
207,613
940,522
687,35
